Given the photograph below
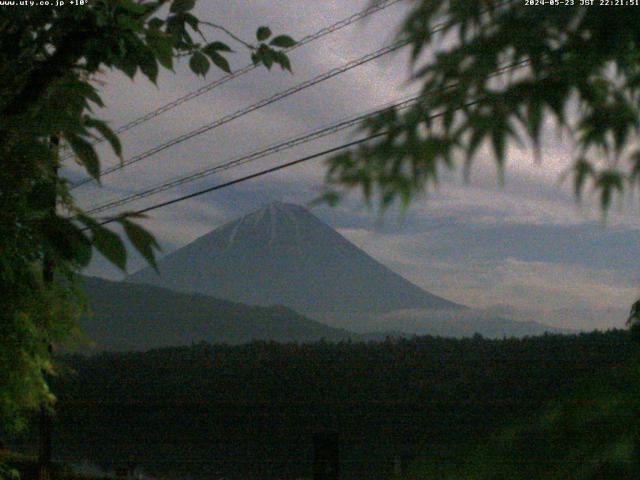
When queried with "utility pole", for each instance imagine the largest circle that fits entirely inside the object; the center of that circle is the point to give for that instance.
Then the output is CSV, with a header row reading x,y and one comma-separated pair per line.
x,y
45,438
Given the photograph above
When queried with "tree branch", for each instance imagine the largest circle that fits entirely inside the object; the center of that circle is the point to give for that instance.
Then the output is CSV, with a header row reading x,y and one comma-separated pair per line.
x,y
230,33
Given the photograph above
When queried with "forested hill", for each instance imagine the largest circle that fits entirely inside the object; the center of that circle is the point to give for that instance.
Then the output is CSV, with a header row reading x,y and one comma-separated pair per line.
x,y
139,317
422,369
249,412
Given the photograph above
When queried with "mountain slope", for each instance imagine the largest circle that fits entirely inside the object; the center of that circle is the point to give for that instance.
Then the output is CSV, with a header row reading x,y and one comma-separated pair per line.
x,y
283,255
139,317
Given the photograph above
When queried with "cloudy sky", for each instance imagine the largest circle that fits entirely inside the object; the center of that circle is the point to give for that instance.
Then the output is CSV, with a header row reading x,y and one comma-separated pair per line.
x,y
527,245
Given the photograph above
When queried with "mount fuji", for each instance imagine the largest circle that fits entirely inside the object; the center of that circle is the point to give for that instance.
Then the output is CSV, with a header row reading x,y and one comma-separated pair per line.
x,y
284,255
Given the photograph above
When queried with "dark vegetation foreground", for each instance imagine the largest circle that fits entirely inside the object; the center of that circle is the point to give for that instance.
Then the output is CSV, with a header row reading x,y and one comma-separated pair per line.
x,y
250,411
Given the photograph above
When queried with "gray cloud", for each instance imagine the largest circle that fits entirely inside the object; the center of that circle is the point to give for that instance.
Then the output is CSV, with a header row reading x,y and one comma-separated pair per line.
x,y
524,244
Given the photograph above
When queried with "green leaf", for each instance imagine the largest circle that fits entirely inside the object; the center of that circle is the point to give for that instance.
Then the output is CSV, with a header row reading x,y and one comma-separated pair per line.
x,y
634,314
82,252
216,47
283,41
85,153
263,33
111,246
534,123
142,241
180,6
634,175
108,243
155,23
128,66
267,59
192,20
219,61
608,181
199,64
282,59
108,134
129,23
477,136
68,241
498,141
149,65
175,26
133,7
266,56
582,170
285,63
162,45
89,91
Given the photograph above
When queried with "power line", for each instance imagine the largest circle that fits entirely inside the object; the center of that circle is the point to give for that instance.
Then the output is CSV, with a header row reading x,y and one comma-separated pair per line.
x,y
307,158
379,6
275,169
256,106
252,176
279,96
275,148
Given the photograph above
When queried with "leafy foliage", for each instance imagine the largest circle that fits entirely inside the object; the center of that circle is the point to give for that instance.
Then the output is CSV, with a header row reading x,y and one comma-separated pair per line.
x,y
575,69
589,434
579,69
48,57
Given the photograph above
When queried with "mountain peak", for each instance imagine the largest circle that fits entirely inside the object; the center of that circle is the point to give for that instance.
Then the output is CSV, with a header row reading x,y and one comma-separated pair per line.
x,y
282,254
281,208
279,205
273,224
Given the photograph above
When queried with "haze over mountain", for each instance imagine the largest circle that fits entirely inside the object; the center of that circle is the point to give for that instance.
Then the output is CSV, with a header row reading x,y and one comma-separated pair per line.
x,y
284,255
136,317
128,316
446,323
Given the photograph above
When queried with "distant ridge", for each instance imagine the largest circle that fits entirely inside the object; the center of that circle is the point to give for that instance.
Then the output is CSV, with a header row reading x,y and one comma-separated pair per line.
x,y
134,317
284,255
